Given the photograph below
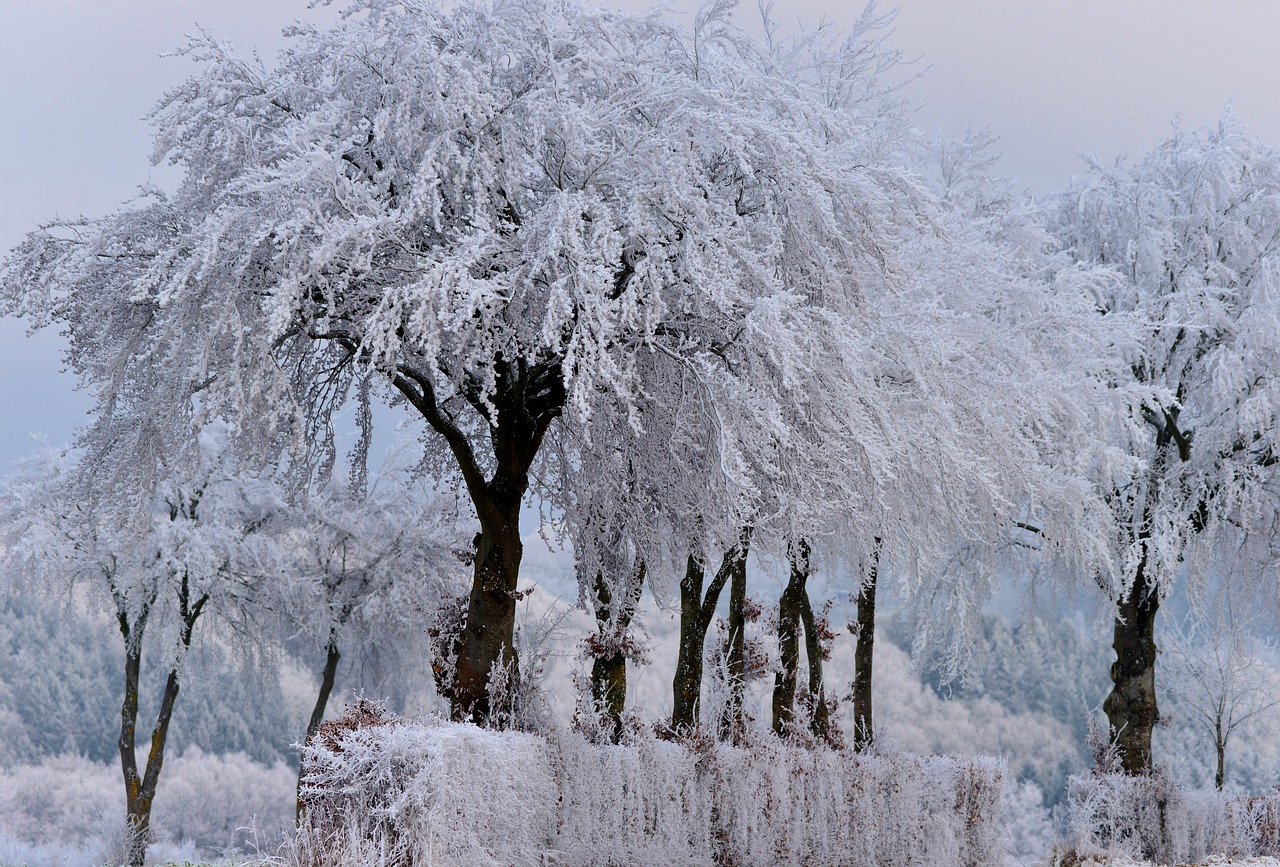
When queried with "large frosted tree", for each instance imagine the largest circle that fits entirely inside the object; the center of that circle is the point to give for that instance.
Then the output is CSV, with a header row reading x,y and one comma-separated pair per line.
x,y
1192,235
496,217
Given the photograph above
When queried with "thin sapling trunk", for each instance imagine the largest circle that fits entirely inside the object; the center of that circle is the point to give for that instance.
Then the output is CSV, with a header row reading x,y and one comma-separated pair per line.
x,y
331,659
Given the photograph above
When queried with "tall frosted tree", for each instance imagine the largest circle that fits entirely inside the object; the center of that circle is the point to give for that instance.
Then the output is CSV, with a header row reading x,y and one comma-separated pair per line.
x,y
1191,233
499,216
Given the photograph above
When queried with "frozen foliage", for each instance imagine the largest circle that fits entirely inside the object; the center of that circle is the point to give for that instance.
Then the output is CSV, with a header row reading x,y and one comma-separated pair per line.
x,y
1190,235
401,792
206,802
1150,816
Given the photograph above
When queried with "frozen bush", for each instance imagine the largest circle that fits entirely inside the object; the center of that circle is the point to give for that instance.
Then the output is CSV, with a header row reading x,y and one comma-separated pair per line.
x,y
396,792
1151,817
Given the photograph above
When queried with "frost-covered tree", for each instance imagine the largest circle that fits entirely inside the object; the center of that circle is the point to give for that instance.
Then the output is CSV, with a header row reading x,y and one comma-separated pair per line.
x,y
506,217
365,567
191,550
1192,234
1220,678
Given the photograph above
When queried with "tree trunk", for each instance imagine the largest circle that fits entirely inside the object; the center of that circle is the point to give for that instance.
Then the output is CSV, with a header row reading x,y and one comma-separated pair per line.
x,y
526,399
609,668
486,642
1220,778
695,618
1131,706
733,721
138,826
140,790
317,713
820,721
790,606
865,636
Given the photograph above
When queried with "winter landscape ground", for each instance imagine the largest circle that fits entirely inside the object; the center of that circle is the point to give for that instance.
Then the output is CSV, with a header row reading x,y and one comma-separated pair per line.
x,y
534,433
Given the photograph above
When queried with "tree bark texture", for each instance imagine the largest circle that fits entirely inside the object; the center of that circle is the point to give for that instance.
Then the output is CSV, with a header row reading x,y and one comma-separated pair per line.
x,y
790,607
863,656
609,668
140,789
1131,706
526,398
696,612
733,721
820,721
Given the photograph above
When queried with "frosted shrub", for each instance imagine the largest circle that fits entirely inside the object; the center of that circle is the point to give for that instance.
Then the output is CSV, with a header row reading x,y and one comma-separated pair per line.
x,y
395,792
64,798
1151,817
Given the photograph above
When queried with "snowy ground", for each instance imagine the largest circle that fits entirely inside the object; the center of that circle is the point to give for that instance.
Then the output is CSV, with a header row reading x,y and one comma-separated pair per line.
x,y
1110,861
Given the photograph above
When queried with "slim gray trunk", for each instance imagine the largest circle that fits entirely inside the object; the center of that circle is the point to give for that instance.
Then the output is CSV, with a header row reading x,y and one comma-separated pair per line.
x,y
733,720
609,672
332,656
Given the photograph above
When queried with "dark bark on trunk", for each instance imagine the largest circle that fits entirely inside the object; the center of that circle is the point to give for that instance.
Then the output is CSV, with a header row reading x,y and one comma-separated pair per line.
x,y
733,721
1131,706
790,607
863,655
820,721
526,399
696,612
609,670
487,639
140,790
1220,778
332,656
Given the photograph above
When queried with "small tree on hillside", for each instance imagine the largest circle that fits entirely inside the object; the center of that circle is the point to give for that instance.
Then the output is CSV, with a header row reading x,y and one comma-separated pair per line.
x,y
195,551
1220,679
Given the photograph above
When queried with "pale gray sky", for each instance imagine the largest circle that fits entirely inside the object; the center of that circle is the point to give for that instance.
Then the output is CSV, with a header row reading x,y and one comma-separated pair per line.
x,y
1051,77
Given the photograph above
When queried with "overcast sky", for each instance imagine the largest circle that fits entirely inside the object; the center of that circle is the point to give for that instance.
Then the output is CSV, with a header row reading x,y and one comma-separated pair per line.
x,y
1050,77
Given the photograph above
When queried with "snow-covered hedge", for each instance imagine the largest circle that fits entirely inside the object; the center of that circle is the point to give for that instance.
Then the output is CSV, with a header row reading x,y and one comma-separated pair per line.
x,y
435,793
1152,817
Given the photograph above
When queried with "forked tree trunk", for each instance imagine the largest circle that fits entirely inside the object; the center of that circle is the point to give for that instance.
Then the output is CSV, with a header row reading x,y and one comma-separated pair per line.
x,y
790,611
332,656
863,656
733,720
609,667
140,789
696,611
1131,706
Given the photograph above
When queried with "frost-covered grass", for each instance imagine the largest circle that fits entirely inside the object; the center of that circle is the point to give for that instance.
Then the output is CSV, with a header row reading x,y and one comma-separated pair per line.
x,y
1153,817
437,793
